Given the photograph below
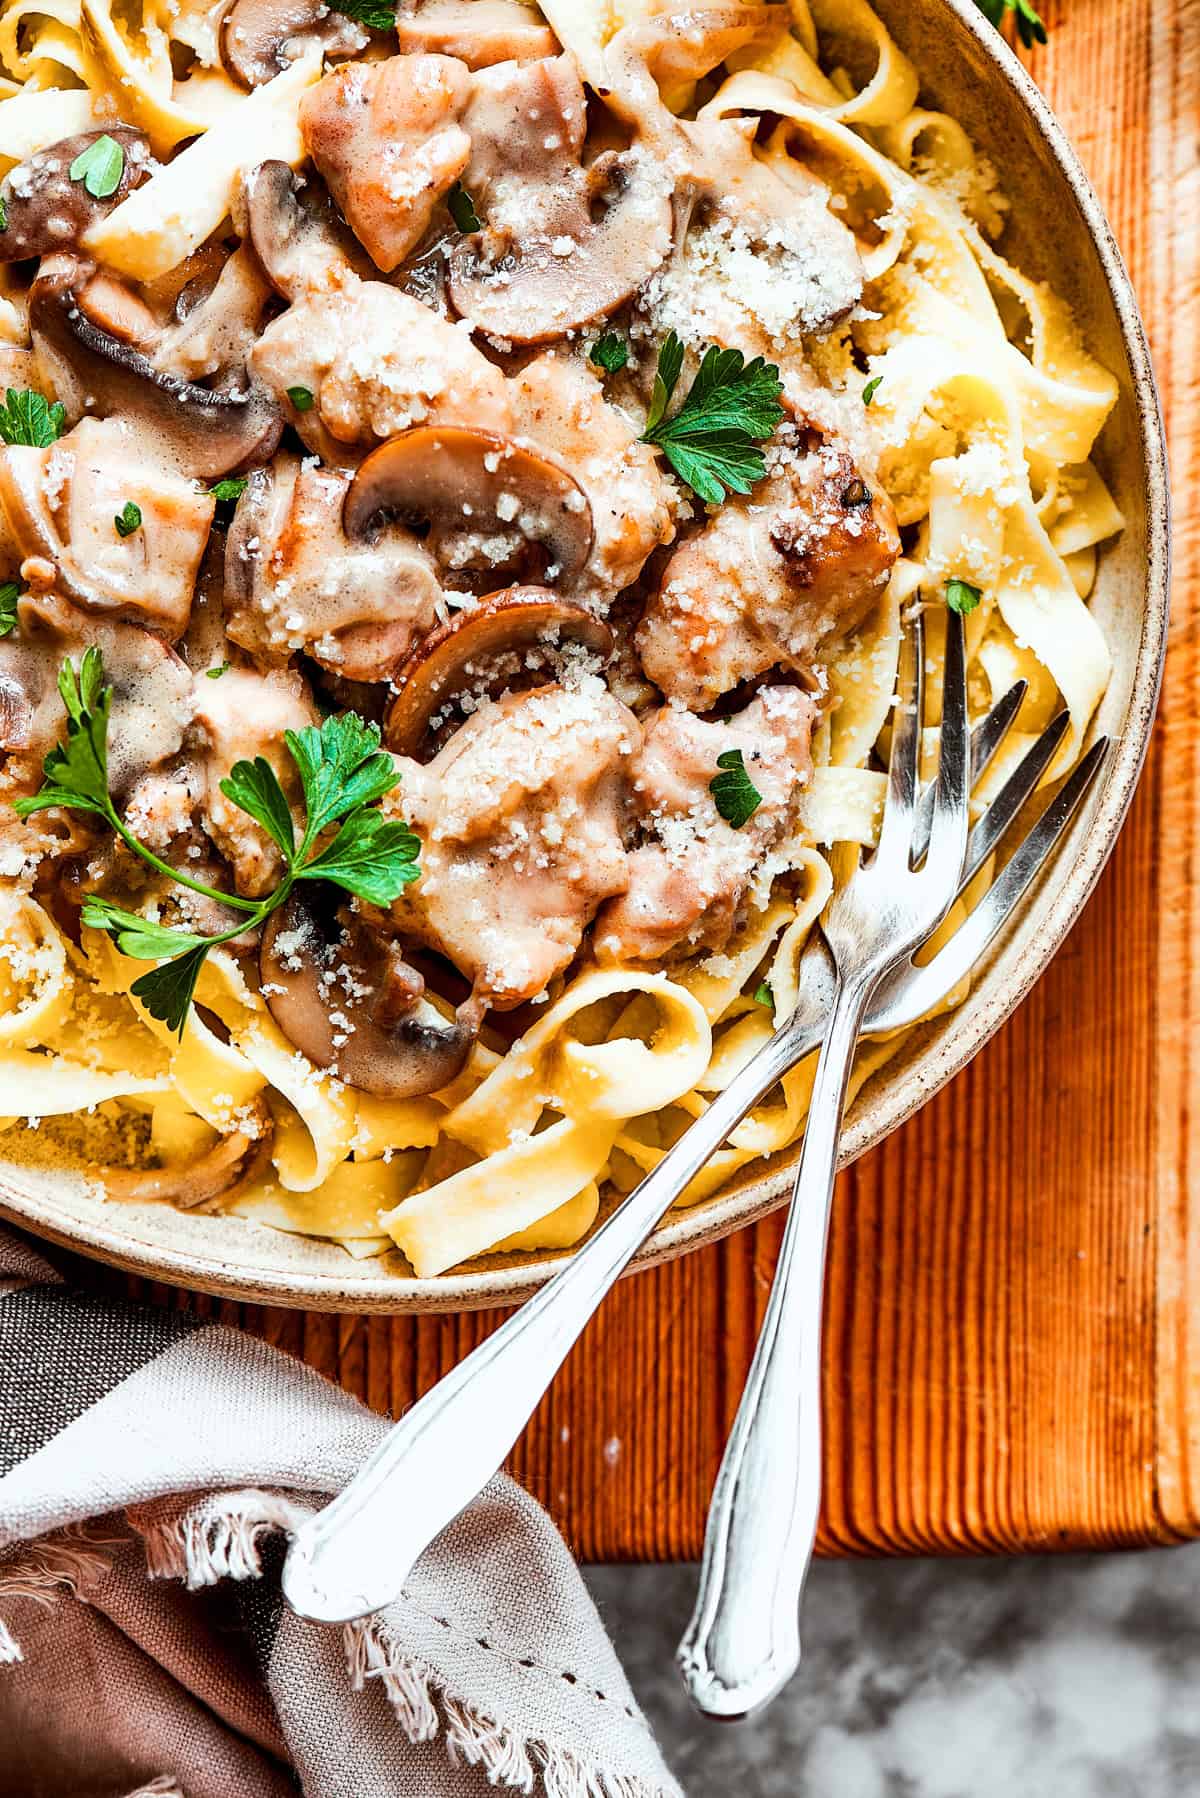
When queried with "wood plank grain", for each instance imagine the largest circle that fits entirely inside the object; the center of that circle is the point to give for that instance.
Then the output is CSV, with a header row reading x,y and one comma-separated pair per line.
x,y
1013,1332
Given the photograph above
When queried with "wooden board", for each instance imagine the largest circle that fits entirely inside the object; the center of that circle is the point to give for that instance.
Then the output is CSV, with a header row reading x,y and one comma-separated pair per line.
x,y
1013,1332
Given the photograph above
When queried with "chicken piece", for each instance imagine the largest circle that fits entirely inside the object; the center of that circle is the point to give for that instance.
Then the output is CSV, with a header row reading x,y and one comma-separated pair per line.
x,y
771,579
689,882
238,717
151,702
520,824
376,361
216,326
559,403
293,580
387,139
481,32
61,505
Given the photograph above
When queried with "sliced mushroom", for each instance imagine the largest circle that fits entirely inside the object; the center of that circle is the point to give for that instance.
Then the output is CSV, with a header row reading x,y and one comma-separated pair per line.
x,y
193,1183
478,32
47,211
300,242
505,624
206,434
560,244
350,1002
488,499
260,38
216,323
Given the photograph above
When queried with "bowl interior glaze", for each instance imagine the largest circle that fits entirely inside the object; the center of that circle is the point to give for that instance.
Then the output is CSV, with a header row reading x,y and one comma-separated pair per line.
x,y
968,71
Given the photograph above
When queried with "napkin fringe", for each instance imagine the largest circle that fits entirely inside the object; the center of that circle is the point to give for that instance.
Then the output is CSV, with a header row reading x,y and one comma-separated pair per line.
x,y
68,1562
217,1539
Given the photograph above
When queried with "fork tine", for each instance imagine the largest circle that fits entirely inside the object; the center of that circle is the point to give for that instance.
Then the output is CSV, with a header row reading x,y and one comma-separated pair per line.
x,y
948,833
1012,795
986,739
923,987
895,833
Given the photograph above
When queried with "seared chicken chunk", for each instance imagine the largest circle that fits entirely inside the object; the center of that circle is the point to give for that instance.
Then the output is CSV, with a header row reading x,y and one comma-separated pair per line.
x,y
387,139
520,824
241,716
689,881
376,362
293,580
771,579
481,32
559,403
61,507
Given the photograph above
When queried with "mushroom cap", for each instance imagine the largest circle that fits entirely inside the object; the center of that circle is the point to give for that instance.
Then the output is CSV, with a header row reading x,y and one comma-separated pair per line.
x,y
299,242
378,1044
518,620
616,218
260,38
480,488
207,434
46,211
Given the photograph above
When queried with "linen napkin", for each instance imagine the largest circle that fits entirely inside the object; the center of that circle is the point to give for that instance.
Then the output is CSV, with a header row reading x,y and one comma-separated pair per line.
x,y
152,1464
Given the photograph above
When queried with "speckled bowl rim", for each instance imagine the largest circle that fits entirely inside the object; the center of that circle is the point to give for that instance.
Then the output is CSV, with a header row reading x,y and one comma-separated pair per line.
x,y
893,1096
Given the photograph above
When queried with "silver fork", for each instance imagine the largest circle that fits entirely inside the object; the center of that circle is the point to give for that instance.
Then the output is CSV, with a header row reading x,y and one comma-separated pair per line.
x,y
355,1555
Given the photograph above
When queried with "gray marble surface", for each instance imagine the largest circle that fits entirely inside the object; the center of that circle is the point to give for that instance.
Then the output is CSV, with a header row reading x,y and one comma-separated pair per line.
x,y
1038,1678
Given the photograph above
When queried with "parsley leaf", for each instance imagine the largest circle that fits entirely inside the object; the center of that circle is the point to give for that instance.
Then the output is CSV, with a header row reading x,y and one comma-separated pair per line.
x,y
166,991
301,398
462,209
100,167
731,407
232,487
128,519
371,856
1030,28
962,597
254,788
871,389
26,417
343,770
609,352
3,213
374,14
10,593
735,793
763,994
216,673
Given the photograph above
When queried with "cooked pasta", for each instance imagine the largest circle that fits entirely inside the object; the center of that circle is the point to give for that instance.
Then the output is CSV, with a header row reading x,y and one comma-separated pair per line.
x,y
567,406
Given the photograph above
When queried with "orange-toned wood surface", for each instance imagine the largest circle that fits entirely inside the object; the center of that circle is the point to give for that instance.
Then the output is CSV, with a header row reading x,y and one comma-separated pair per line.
x,y
1013,1333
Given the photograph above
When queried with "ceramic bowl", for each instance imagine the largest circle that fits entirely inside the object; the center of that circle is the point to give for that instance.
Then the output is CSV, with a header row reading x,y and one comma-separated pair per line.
x,y
968,70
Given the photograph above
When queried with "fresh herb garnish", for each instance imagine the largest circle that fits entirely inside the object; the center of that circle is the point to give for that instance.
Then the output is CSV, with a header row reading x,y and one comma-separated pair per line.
x,y
371,13
301,398
1030,28
25,417
128,519
216,673
343,771
735,793
609,352
3,213
962,597
10,593
871,389
234,485
462,209
100,167
763,994
731,407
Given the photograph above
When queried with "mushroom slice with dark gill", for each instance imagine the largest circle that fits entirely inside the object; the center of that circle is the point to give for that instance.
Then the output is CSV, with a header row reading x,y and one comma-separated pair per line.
x,y
46,211
489,501
522,620
260,38
299,241
197,1182
206,434
347,999
479,32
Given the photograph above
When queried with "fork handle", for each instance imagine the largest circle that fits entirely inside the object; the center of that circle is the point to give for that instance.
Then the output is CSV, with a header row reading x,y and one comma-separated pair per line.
x,y
354,1556
743,1642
